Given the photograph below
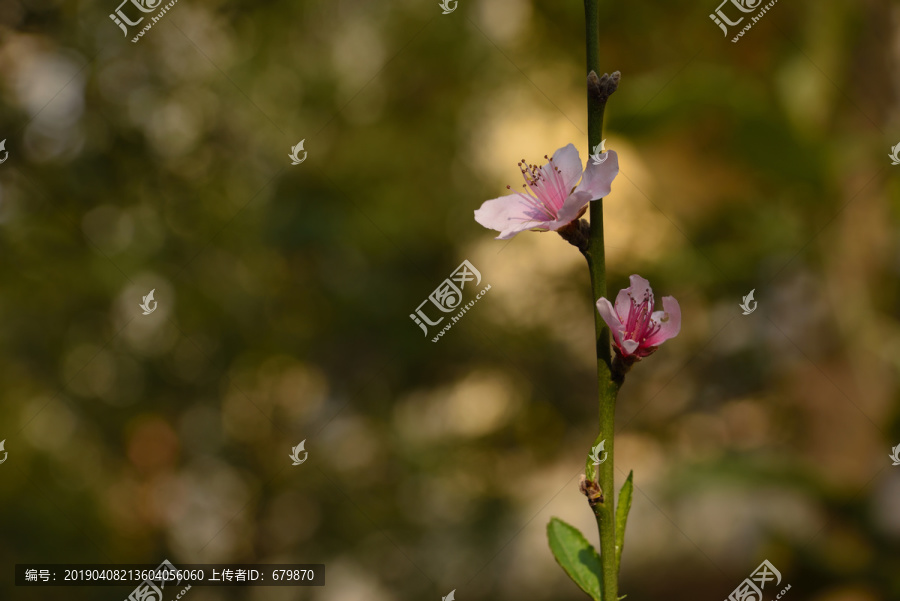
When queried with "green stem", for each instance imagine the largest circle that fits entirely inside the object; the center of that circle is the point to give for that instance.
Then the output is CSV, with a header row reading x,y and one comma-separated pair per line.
x,y
607,387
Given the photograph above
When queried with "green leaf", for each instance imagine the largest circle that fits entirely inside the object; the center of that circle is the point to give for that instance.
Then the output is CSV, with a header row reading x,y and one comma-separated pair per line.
x,y
622,516
577,557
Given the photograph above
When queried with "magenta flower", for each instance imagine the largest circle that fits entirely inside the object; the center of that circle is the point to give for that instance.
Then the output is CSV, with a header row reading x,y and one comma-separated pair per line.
x,y
551,199
637,329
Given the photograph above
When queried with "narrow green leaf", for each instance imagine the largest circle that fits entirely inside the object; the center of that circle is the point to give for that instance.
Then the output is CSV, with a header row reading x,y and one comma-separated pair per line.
x,y
577,557
622,516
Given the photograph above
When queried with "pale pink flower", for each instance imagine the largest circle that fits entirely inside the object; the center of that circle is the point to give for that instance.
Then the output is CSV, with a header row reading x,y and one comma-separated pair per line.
x,y
551,199
637,329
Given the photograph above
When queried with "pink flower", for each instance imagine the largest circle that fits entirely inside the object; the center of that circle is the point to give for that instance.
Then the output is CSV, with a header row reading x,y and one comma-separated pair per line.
x,y
551,199
637,329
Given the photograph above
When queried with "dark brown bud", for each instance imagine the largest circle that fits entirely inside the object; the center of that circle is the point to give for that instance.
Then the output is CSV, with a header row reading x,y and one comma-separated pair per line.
x,y
602,87
591,490
621,366
577,233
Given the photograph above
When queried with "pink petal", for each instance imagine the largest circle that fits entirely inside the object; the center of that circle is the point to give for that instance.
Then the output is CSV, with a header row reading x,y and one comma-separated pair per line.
x,y
597,180
605,308
669,320
623,304
510,215
608,313
639,289
570,209
628,347
568,161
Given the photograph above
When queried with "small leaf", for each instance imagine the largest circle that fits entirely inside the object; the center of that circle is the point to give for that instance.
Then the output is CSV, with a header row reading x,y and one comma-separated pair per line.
x,y
622,516
577,557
